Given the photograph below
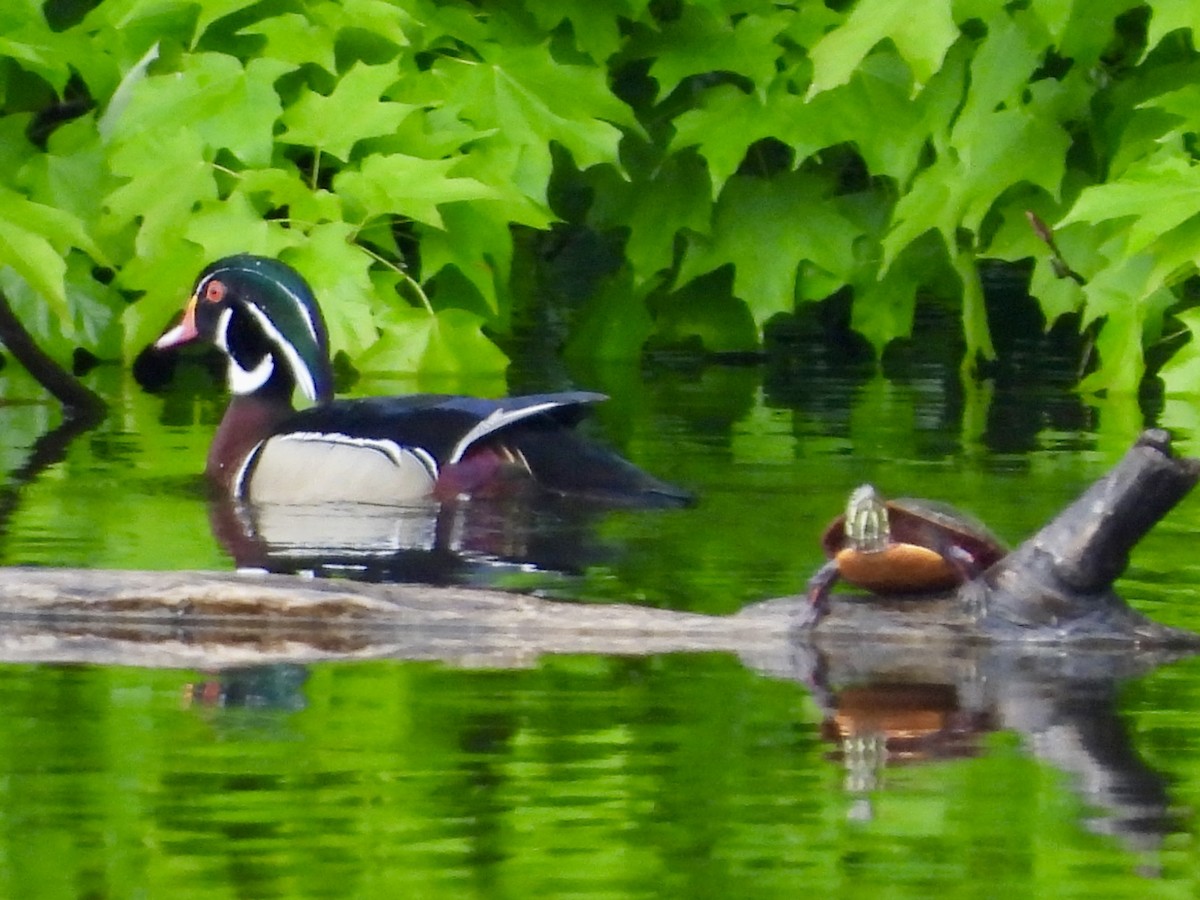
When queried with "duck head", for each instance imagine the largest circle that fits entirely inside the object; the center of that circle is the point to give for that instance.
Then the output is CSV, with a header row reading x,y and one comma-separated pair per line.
x,y
262,315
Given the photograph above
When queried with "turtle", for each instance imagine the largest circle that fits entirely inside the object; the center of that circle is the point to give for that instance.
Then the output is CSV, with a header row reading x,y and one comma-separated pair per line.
x,y
901,546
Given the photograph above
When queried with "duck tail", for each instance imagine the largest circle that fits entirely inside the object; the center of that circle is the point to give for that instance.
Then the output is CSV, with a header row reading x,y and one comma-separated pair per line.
x,y
564,462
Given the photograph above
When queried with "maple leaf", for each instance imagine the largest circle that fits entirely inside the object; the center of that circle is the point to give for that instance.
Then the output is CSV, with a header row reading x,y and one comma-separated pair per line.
x,y
655,208
338,273
728,122
921,32
1155,196
168,177
274,189
72,174
410,186
1170,15
296,39
383,18
355,110
26,40
211,11
766,228
227,105
700,310
613,325
526,100
1181,373
596,24
233,225
478,243
984,162
705,40
448,341
883,309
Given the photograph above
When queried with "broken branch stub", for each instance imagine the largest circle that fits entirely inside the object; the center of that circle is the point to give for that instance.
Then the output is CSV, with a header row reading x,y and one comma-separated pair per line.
x,y
1062,577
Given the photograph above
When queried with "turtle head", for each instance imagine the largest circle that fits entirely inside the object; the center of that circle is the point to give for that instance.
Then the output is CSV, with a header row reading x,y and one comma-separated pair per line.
x,y
262,315
867,526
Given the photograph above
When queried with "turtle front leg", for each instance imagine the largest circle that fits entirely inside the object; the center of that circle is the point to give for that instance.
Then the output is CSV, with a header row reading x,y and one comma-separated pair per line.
x,y
807,615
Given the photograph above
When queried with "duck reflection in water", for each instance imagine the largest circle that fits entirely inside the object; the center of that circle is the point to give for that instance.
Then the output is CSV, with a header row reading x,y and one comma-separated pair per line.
x,y
430,541
277,687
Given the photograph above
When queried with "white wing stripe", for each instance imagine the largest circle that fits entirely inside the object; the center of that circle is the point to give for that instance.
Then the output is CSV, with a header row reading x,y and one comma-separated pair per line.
x,y
500,418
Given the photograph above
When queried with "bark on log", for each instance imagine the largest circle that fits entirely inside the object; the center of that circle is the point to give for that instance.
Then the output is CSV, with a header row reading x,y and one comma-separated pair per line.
x,y
211,620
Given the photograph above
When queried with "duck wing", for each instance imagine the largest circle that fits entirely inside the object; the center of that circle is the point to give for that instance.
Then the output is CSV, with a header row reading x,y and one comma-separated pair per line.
x,y
434,436
443,426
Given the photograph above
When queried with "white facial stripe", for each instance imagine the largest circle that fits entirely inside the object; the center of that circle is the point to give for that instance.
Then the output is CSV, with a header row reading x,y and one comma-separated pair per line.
x,y
241,381
221,337
171,338
304,377
501,418
301,306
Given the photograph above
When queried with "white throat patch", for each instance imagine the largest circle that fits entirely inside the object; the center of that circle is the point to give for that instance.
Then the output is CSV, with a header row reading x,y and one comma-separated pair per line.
x,y
241,381
247,381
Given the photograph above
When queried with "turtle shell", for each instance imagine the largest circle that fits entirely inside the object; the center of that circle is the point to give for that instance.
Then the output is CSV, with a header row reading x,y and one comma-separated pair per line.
x,y
922,533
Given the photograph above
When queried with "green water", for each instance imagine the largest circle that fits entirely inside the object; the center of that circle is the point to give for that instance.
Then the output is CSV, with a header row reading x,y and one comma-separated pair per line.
x,y
681,775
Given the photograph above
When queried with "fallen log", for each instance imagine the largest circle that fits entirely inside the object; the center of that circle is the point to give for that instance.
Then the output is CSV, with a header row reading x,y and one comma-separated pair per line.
x,y
1053,590
215,620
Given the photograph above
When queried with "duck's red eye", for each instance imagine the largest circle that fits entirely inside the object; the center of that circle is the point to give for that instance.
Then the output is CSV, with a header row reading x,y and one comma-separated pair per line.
x,y
214,291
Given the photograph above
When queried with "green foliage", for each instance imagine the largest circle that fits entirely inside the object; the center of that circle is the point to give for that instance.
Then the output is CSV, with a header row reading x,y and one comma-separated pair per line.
x,y
391,149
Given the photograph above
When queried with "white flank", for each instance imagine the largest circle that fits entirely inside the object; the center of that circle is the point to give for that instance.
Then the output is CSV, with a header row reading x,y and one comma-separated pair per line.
x,y
322,467
500,418
239,477
388,448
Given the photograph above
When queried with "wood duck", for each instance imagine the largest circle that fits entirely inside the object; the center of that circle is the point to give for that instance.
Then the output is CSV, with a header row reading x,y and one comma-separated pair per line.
x,y
262,315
